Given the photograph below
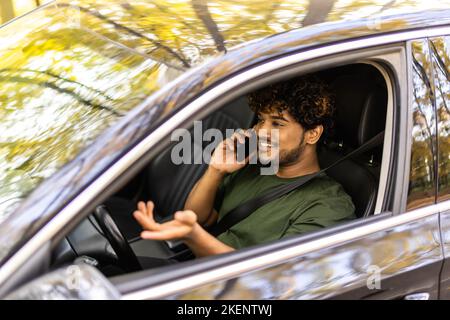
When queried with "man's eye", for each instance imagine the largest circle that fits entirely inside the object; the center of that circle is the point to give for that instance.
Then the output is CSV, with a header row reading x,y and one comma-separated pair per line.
x,y
276,124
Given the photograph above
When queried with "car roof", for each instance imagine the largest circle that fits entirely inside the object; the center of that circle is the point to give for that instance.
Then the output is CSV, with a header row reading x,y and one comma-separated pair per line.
x,y
228,36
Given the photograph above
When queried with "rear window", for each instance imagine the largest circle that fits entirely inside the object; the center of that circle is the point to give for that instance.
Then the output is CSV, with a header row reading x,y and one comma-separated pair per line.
x,y
61,86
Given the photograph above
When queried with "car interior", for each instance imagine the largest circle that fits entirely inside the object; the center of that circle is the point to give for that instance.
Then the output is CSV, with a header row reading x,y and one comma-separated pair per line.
x,y
109,238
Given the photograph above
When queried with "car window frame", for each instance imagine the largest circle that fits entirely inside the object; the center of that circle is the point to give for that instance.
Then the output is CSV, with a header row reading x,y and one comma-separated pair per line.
x,y
370,56
439,195
351,225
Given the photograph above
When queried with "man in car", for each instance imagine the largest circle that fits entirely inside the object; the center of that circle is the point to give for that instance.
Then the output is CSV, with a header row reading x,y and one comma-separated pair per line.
x,y
301,110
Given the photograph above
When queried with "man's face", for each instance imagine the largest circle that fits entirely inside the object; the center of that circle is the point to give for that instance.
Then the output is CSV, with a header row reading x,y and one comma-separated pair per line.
x,y
284,136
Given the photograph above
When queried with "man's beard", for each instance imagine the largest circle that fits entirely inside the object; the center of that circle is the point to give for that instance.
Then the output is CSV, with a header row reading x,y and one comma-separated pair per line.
x,y
292,156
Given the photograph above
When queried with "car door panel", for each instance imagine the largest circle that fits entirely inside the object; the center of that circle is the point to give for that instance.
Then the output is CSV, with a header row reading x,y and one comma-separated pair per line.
x,y
393,263
391,258
445,231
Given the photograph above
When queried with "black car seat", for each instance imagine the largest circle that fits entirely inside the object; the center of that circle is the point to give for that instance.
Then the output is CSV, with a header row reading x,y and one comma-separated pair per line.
x,y
361,104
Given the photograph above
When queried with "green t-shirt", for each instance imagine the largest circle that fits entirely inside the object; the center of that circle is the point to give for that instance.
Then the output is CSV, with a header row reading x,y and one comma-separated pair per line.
x,y
320,203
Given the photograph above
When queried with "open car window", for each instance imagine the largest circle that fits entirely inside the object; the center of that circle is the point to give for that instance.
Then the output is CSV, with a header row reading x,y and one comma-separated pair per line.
x,y
359,117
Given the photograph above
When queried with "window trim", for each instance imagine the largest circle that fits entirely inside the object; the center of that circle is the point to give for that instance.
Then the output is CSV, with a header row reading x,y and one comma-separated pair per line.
x,y
410,120
74,209
388,147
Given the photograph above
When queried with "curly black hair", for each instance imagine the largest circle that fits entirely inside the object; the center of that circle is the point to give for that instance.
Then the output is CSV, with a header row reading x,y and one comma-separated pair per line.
x,y
307,99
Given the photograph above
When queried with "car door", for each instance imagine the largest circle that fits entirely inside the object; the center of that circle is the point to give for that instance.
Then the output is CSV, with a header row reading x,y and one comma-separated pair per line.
x,y
393,255
440,52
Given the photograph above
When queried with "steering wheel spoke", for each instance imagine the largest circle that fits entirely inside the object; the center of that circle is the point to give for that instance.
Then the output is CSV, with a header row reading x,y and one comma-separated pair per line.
x,y
127,258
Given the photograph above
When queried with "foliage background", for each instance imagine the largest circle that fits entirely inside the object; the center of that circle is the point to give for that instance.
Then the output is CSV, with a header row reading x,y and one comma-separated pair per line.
x,y
13,8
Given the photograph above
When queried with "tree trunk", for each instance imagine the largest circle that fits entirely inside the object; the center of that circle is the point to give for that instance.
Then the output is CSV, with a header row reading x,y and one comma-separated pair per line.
x,y
201,9
6,10
318,11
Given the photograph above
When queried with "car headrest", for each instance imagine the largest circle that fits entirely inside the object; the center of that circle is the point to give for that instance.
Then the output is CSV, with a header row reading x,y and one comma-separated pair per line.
x,y
360,108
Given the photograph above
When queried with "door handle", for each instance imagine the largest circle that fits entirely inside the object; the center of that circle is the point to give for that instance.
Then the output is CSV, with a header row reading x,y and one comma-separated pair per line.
x,y
417,296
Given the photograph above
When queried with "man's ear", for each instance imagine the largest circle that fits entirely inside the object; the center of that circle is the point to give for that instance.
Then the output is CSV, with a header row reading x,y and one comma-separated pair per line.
x,y
313,135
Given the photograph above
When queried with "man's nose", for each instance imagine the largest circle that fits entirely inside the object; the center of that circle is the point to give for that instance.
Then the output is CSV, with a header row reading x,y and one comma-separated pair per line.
x,y
263,133
266,126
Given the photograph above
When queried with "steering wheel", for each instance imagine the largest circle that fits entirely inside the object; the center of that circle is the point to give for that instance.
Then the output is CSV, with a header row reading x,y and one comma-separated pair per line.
x,y
127,258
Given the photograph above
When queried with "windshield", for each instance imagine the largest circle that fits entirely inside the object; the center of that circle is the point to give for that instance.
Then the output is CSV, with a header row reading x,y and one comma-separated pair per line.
x,y
61,86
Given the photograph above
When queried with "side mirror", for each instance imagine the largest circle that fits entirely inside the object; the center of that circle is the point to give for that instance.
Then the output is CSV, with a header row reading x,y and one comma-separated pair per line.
x,y
75,282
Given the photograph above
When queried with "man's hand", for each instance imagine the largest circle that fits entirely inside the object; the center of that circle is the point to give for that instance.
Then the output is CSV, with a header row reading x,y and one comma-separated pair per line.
x,y
181,227
184,226
224,157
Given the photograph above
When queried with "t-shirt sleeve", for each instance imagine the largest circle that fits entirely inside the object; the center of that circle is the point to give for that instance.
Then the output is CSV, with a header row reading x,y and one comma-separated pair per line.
x,y
319,215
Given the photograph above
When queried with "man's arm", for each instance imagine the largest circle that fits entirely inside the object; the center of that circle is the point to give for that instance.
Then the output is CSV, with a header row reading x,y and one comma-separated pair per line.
x,y
223,161
198,206
203,243
201,198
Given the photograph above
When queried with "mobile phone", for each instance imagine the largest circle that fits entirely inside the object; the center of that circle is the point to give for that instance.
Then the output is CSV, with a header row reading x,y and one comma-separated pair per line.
x,y
243,150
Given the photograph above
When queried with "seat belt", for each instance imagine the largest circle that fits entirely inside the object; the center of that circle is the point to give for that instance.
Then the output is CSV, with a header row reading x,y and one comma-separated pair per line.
x,y
244,210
